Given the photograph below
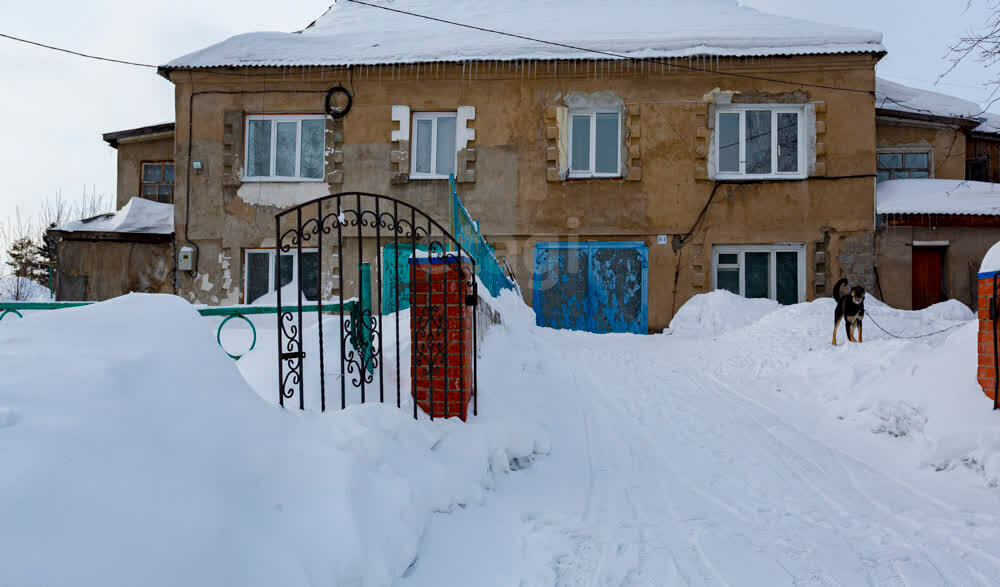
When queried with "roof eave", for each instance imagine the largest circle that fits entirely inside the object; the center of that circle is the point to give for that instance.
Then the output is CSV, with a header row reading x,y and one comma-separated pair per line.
x,y
966,124
166,70
113,138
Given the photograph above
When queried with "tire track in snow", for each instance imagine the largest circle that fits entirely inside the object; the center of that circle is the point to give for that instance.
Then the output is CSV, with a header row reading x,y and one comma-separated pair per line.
x,y
839,457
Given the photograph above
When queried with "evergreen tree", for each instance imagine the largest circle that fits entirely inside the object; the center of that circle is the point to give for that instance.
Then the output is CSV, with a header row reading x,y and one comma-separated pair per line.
x,y
21,259
45,252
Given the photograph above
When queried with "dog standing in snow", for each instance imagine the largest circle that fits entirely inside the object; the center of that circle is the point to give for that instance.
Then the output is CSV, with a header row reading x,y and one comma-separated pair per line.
x,y
851,309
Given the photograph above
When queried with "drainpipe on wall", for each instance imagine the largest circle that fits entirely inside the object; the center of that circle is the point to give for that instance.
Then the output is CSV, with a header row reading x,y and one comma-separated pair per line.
x,y
187,186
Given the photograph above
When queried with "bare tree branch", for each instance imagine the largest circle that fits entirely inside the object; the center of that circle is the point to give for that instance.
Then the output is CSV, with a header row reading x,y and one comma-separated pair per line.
x,y
981,45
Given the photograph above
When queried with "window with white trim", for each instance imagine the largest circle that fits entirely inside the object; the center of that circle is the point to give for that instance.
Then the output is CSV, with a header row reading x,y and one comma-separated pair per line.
x,y
595,139
285,147
777,272
756,141
433,150
260,273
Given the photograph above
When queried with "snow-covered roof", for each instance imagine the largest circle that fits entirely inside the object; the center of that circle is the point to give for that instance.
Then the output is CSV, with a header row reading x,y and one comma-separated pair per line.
x,y
137,216
893,96
350,33
938,196
990,123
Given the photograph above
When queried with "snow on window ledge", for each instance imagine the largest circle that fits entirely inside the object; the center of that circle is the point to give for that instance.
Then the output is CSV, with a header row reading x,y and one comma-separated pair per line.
x,y
282,194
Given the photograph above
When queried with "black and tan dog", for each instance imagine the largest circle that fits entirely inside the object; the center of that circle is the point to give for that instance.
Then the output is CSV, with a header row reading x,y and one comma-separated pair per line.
x,y
851,309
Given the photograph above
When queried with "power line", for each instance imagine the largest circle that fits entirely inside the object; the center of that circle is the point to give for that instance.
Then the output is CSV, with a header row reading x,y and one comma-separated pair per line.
x,y
77,53
151,66
459,24
608,53
473,27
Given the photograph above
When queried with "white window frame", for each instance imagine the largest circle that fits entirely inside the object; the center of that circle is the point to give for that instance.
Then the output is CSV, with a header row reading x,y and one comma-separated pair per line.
x,y
433,116
772,287
776,109
275,119
271,266
591,172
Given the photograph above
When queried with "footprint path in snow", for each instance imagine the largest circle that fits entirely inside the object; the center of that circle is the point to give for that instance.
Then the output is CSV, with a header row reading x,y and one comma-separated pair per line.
x,y
673,472
795,491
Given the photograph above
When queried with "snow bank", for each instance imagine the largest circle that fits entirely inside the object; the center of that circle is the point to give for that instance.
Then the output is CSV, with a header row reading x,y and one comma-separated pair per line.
x,y
140,456
350,33
718,312
138,215
991,262
22,289
937,196
920,394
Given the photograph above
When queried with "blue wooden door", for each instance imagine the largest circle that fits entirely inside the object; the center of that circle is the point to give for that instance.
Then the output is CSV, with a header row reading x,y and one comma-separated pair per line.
x,y
591,286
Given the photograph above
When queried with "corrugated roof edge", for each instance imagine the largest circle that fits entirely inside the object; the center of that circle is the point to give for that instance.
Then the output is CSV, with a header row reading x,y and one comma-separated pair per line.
x,y
878,50
912,213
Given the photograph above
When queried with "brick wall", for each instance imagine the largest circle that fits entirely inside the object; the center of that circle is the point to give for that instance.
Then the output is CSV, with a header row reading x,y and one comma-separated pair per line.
x,y
441,327
987,365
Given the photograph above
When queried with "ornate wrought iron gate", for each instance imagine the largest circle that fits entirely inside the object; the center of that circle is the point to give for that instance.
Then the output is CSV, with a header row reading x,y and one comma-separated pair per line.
x,y
370,353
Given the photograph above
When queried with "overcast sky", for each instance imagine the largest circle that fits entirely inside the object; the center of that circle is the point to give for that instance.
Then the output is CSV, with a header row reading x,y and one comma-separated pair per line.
x,y
56,106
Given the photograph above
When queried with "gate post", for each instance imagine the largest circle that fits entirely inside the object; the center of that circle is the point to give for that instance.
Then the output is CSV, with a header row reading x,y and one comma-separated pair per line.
x,y
441,334
988,307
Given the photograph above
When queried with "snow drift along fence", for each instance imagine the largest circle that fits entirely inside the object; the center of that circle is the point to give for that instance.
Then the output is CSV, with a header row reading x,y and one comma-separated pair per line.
x,y
466,232
229,312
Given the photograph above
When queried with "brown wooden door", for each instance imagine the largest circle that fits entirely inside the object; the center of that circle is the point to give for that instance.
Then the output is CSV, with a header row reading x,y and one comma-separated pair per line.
x,y
928,276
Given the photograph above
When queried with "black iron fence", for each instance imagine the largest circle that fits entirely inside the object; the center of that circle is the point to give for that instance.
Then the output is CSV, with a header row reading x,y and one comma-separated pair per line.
x,y
357,235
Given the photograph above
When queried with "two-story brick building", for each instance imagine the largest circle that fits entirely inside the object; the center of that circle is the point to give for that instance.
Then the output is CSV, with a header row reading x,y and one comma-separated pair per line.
x,y
723,146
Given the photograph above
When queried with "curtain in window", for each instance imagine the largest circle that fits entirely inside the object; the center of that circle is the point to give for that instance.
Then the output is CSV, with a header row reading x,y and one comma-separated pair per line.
x,y
424,138
311,149
758,140
445,155
788,142
729,142
259,156
580,154
284,164
608,147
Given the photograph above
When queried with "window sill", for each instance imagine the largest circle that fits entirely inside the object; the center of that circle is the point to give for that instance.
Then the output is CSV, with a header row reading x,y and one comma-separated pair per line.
x,y
282,179
425,177
752,178
574,176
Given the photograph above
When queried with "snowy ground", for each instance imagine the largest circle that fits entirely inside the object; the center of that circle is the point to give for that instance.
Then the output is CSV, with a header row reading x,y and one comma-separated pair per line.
x,y
762,456
22,289
739,448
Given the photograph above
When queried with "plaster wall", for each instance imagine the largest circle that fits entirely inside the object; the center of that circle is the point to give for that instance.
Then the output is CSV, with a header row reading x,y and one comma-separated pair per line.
x,y
966,248
947,145
131,155
509,178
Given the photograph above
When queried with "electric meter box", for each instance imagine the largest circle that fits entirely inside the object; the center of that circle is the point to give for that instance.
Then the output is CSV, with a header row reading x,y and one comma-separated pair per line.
x,y
185,259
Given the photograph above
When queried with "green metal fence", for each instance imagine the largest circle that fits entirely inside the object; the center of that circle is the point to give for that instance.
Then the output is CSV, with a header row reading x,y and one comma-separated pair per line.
x,y
360,339
466,232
